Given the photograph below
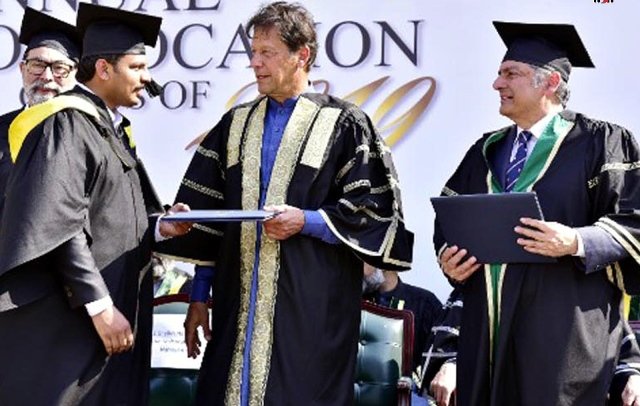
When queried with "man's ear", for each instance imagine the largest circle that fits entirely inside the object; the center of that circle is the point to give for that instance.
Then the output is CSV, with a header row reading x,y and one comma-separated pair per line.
x,y
103,69
553,82
303,56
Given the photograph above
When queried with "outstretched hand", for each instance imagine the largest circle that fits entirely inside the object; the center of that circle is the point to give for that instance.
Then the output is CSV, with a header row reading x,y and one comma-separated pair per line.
x,y
173,229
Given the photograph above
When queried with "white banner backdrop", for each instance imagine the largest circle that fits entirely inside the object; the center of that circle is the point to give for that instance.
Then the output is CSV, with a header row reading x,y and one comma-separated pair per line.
x,y
422,70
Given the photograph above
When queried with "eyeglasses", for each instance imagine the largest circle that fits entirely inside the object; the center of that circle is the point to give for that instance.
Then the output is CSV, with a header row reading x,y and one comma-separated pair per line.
x,y
37,67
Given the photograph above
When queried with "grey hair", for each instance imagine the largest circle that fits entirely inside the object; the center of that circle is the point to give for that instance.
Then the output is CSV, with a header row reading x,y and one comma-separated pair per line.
x,y
540,75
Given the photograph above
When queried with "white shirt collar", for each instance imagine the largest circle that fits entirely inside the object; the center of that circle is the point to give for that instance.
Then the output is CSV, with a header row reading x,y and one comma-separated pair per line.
x,y
537,129
116,117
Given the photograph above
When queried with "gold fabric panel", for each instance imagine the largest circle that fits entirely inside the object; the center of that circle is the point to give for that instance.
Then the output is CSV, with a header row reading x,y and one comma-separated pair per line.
x,y
319,137
251,154
235,135
284,166
269,261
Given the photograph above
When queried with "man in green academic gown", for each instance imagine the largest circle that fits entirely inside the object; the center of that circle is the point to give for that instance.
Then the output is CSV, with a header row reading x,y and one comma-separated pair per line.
x,y
75,294
286,292
547,334
48,68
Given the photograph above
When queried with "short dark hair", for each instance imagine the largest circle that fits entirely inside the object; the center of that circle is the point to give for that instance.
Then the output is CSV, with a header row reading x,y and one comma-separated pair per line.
x,y
293,21
87,65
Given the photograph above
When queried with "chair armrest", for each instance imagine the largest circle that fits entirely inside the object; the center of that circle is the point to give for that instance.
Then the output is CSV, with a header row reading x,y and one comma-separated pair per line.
x,y
404,391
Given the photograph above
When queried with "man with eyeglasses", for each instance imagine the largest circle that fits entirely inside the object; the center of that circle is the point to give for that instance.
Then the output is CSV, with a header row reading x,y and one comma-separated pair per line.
x,y
48,68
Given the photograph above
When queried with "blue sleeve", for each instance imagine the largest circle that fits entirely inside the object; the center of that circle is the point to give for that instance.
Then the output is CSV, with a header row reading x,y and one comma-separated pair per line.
x,y
202,283
315,226
600,248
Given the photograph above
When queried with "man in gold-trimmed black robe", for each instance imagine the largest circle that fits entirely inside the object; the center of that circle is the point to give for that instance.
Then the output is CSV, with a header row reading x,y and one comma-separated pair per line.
x,y
286,300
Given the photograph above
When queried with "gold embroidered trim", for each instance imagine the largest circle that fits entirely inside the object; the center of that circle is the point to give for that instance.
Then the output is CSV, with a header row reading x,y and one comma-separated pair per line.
x,y
208,230
203,189
620,166
615,166
235,135
382,189
622,236
346,168
298,128
389,241
209,153
251,155
449,192
269,256
319,138
355,185
490,312
619,277
365,210
610,274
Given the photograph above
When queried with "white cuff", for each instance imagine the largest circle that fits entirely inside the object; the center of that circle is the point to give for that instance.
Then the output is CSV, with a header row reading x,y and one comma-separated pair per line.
x,y
580,252
159,237
98,306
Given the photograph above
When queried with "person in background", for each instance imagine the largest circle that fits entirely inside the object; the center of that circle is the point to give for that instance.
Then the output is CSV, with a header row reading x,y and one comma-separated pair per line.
x,y
385,288
48,68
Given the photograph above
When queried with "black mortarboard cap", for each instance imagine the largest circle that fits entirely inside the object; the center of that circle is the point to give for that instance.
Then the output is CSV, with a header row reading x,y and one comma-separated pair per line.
x,y
41,30
110,31
554,46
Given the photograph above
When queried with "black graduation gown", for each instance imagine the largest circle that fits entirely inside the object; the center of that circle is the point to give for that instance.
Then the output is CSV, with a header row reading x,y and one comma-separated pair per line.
x,y
308,308
560,325
74,180
5,158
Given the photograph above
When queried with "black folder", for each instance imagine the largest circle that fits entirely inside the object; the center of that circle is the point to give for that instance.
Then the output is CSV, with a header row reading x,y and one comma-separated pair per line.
x,y
484,225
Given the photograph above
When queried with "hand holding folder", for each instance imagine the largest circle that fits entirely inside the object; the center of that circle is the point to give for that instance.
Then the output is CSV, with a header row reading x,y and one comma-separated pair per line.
x,y
484,225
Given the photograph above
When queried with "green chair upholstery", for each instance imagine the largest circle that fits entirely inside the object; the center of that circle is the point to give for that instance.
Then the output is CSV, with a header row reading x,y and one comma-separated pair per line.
x,y
385,350
169,386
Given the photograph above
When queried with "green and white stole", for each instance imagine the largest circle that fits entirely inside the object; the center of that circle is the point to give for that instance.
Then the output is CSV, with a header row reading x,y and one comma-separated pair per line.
x,y
534,169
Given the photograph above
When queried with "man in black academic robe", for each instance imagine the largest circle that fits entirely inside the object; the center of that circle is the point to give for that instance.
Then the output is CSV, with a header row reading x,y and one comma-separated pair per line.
x,y
75,294
547,334
286,299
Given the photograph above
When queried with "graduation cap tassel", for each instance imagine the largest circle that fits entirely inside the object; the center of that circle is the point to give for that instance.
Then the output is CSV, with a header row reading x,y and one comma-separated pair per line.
x,y
153,88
